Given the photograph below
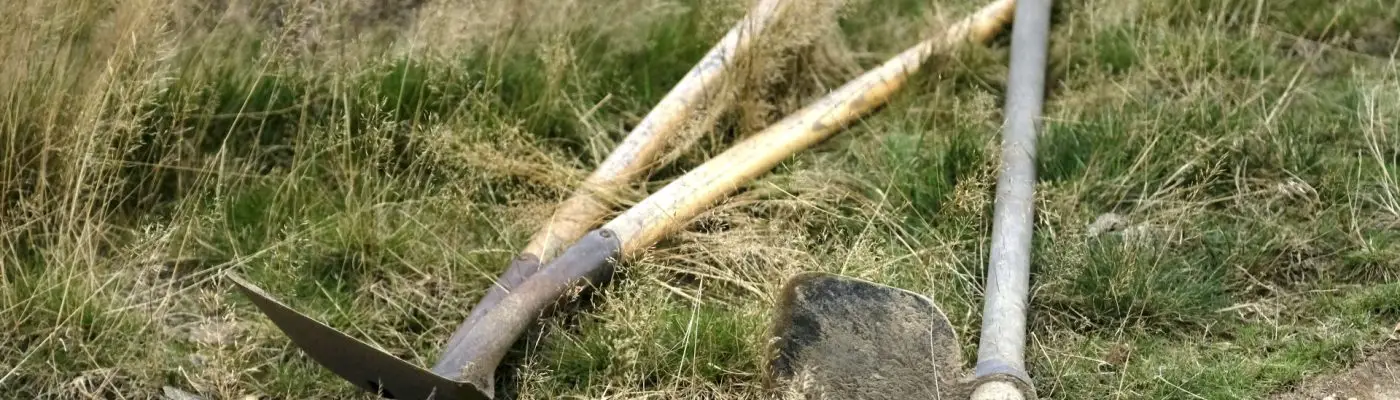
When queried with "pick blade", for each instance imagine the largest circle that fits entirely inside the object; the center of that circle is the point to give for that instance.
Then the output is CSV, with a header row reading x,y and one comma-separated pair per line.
x,y
365,366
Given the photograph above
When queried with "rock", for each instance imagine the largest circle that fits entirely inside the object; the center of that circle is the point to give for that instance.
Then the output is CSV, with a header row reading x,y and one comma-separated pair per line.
x,y
172,393
1107,223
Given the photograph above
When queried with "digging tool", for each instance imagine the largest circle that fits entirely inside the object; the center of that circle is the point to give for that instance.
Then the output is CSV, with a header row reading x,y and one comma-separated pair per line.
x,y
1001,365
842,337
627,162
590,261
580,212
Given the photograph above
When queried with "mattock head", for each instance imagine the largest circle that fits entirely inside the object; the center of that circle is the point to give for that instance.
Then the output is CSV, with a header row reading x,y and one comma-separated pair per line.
x,y
365,366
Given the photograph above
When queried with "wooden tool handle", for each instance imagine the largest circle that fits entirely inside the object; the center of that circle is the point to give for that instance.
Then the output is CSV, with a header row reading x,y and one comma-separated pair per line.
x,y
475,354
674,205
583,210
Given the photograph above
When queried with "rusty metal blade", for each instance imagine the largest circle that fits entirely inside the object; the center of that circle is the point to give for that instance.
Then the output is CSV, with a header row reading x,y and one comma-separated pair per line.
x,y
365,366
836,337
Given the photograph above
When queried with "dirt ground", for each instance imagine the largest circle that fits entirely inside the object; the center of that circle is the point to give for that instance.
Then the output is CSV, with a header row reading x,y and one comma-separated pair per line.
x,y
1376,378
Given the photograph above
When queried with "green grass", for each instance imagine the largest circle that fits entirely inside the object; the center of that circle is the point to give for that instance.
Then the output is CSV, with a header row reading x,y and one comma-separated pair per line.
x,y
380,185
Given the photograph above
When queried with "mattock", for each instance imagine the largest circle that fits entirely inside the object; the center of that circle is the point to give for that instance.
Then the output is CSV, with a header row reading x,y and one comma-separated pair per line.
x,y
466,367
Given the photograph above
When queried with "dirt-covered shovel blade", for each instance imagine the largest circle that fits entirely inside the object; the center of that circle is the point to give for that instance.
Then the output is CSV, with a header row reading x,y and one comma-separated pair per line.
x,y
843,338
836,337
368,368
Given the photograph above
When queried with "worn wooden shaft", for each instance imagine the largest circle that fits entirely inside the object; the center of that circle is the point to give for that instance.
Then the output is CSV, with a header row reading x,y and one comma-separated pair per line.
x,y
590,261
637,153
643,145
474,359
670,208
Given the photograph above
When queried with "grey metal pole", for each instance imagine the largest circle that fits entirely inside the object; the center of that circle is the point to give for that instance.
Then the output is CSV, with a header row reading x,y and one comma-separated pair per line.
x,y
1003,335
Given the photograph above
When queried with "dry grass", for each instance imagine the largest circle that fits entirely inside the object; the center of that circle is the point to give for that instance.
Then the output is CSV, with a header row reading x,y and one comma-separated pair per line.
x,y
377,163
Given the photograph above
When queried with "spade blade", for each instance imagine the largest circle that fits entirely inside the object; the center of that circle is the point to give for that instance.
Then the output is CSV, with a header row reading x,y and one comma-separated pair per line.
x,y
366,367
836,337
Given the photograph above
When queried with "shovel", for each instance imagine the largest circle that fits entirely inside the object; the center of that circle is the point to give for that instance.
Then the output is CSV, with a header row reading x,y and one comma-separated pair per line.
x,y
844,338
468,364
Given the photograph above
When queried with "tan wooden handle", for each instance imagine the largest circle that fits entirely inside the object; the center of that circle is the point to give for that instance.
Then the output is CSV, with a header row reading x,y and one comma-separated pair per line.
x,y
585,208
669,208
592,200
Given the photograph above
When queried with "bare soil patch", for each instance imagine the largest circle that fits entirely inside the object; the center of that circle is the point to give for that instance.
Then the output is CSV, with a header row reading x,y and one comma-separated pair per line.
x,y
1376,378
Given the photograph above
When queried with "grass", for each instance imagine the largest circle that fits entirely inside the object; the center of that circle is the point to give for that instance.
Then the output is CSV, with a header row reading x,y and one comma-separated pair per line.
x,y
378,166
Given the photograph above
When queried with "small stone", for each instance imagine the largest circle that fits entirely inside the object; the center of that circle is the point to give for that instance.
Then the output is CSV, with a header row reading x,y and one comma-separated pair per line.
x,y
1295,188
172,393
1106,223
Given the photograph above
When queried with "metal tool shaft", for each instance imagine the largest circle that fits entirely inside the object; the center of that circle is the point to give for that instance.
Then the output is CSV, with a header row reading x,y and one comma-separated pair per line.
x,y
1003,335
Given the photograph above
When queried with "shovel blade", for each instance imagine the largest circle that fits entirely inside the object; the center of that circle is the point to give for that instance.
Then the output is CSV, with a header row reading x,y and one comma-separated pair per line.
x,y
365,366
836,337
